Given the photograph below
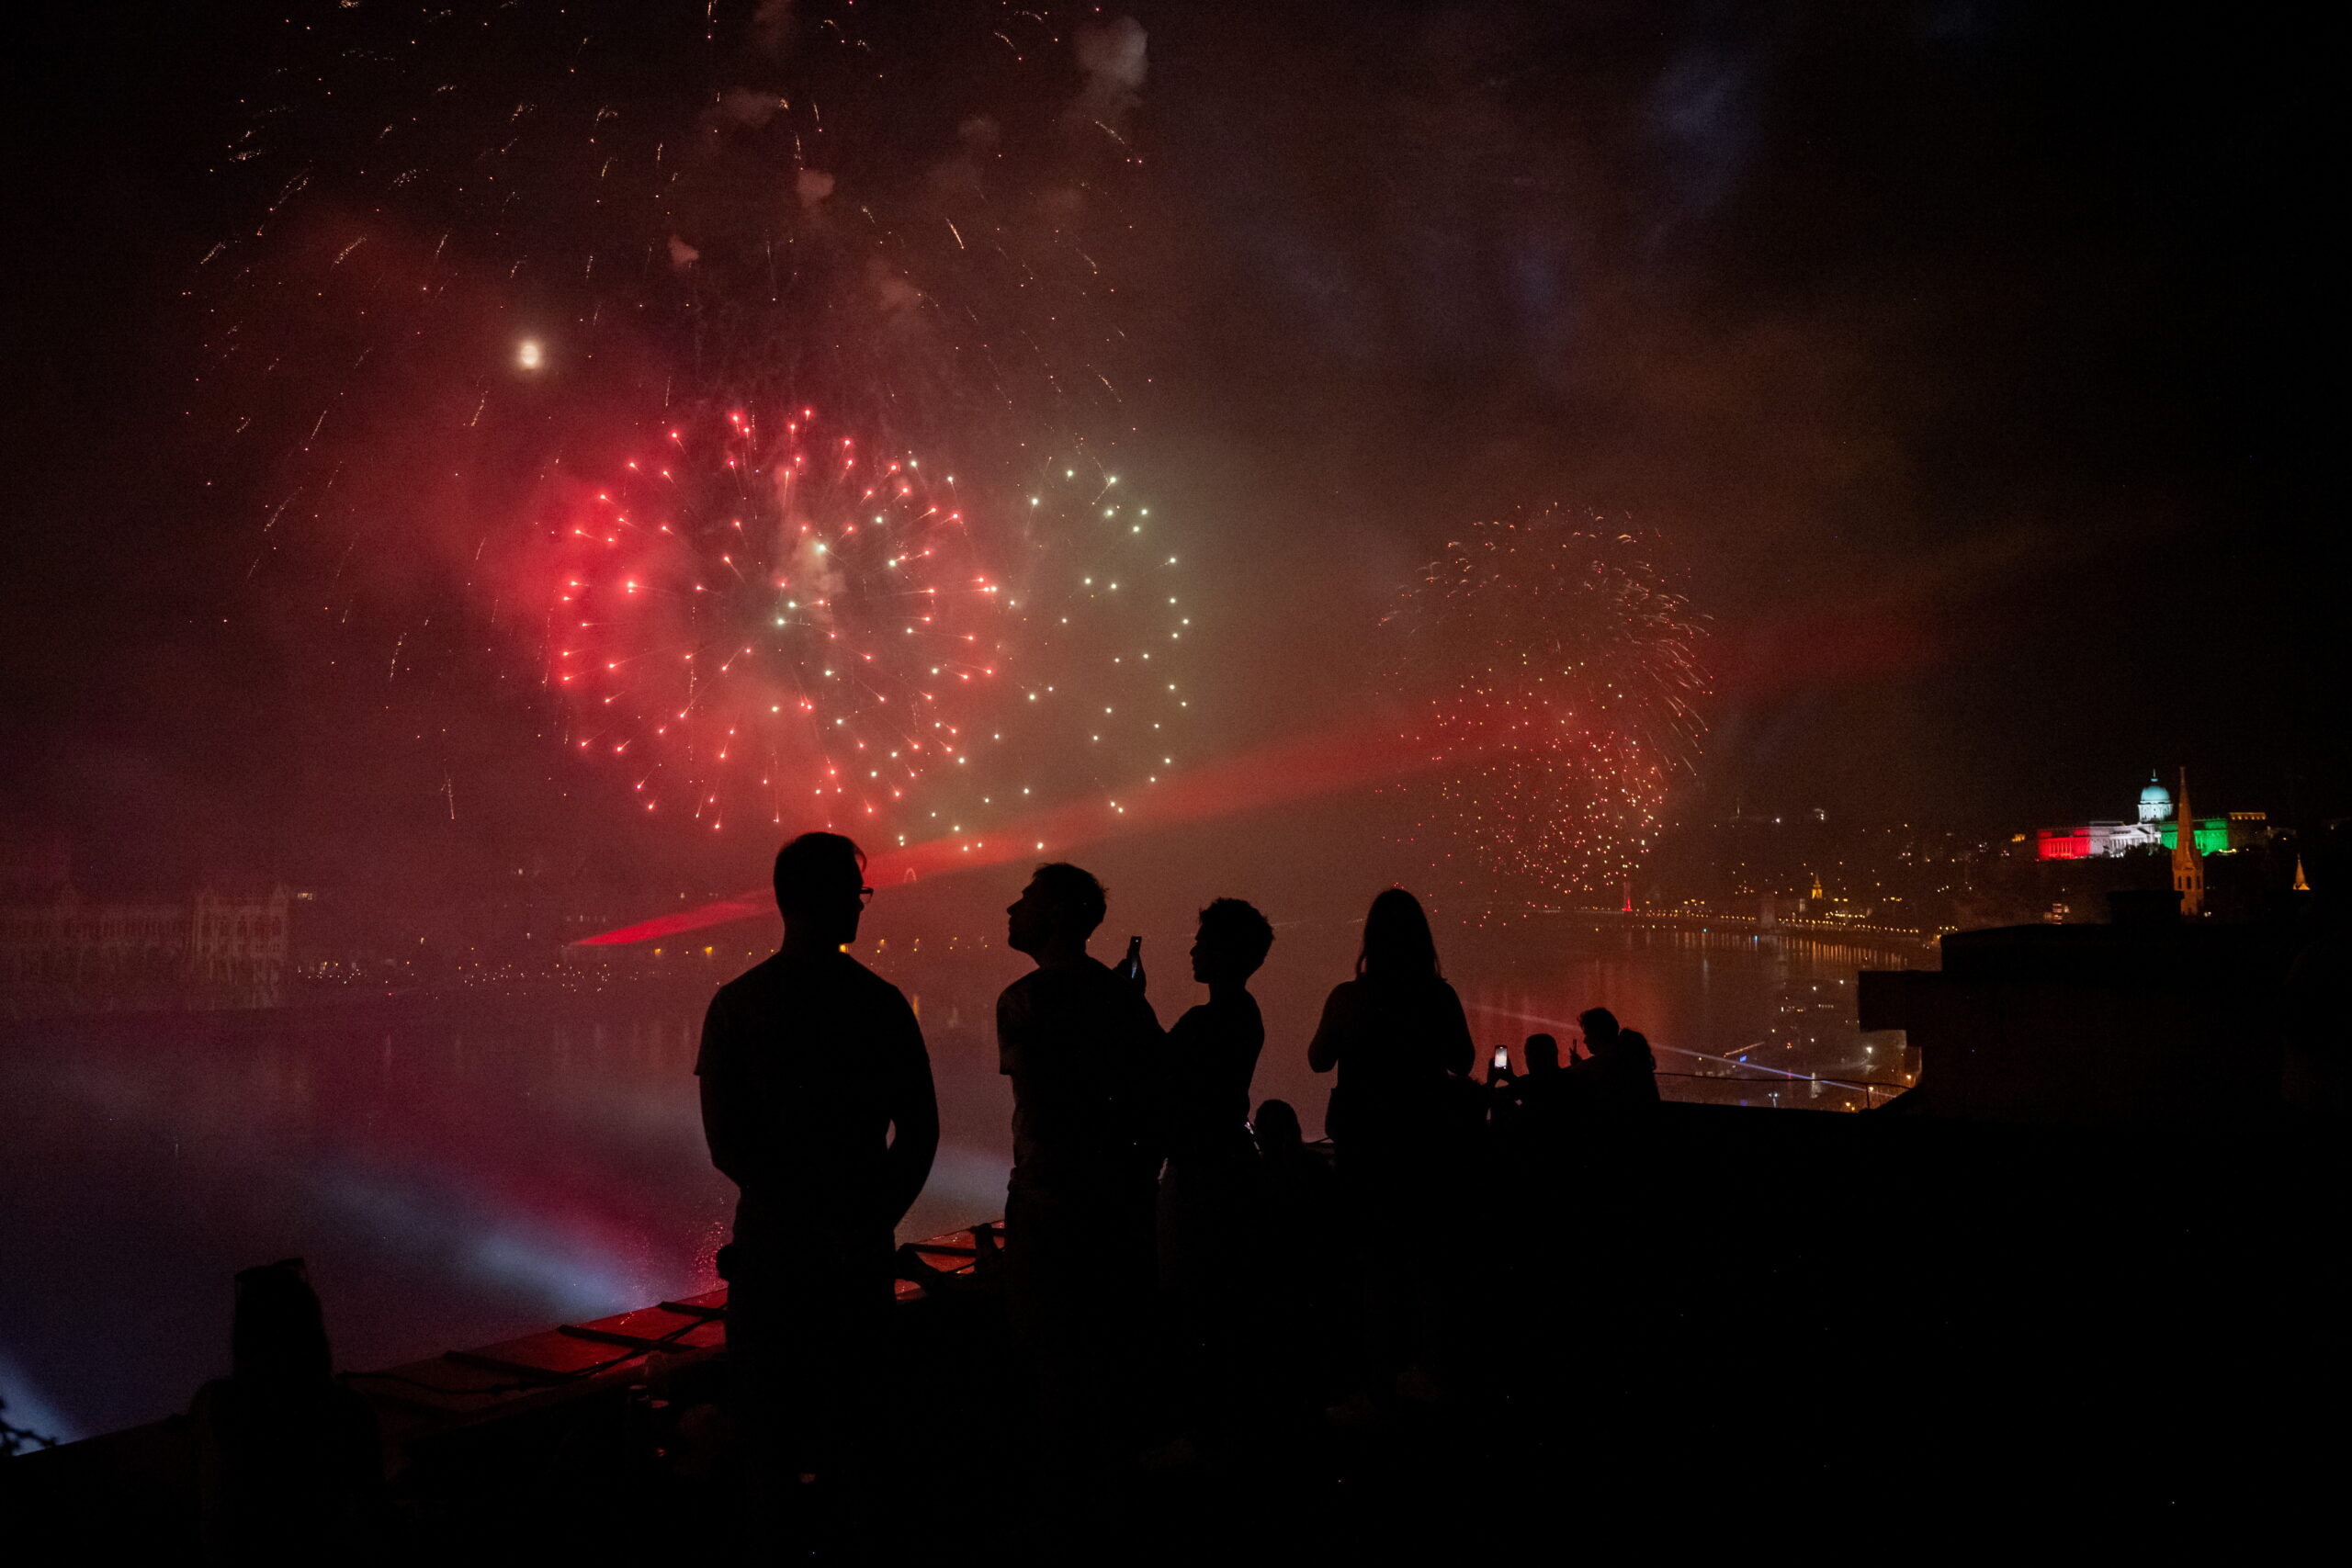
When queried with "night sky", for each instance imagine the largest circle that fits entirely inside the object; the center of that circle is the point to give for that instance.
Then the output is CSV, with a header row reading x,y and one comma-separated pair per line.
x,y
1959,350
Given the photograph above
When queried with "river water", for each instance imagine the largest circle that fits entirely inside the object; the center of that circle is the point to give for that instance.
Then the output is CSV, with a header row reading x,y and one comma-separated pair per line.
x,y
467,1168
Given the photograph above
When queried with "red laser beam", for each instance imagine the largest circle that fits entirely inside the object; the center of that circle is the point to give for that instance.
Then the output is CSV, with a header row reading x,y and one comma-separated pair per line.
x,y
1328,761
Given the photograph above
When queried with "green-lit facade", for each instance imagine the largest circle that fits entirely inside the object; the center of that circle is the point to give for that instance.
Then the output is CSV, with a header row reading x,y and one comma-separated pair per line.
x,y
2212,835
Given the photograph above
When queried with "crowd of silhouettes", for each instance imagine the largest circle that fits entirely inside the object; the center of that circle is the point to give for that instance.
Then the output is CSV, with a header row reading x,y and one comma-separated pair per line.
x,y
1170,1262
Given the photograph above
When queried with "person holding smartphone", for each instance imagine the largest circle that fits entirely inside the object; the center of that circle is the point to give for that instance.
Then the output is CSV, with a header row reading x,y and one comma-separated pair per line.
x,y
1207,1192
1081,1046
1212,1055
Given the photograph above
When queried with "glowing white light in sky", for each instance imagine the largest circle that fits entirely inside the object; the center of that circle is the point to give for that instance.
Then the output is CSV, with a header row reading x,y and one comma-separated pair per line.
x,y
528,356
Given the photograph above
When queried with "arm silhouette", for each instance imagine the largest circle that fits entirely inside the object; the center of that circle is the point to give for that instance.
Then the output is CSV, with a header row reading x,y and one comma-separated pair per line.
x,y
1459,1052
728,1121
1323,1051
914,1119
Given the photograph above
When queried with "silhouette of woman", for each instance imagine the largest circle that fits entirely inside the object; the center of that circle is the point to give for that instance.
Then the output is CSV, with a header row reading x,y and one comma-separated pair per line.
x,y
1397,1039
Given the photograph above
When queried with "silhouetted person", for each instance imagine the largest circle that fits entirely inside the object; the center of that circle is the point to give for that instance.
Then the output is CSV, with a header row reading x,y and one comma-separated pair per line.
x,y
1210,1056
816,1102
1534,1106
1206,1190
1541,1054
1635,1068
289,1463
1080,1045
1297,1190
1304,1267
1395,1033
1597,1030
1287,1166
1617,1071
1402,1049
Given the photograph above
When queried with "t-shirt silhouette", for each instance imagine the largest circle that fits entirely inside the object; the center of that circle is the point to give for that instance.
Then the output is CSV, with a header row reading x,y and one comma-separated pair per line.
x,y
1394,1044
1212,1054
803,1057
1079,1044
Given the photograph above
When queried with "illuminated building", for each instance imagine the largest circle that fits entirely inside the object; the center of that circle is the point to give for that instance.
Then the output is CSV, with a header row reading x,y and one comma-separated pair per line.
x,y
226,947
2156,827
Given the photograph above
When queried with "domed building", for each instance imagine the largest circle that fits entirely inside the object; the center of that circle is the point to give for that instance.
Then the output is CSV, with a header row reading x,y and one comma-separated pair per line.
x,y
2156,829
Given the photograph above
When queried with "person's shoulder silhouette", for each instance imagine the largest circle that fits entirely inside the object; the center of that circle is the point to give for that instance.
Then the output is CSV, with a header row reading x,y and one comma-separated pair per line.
x,y
1636,1068
1397,1030
1079,1040
810,1060
1213,1049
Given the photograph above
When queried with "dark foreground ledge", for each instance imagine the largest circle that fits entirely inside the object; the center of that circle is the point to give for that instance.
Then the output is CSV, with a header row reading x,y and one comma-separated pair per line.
x,y
1722,1326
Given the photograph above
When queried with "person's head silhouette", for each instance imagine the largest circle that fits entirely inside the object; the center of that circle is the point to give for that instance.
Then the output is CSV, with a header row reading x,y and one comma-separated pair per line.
x,y
1599,1026
1396,940
278,1337
821,891
1233,941
1277,1128
1542,1054
1055,914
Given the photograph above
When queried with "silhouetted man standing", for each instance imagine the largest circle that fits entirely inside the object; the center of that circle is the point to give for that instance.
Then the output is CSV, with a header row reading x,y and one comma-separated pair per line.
x,y
811,1064
1078,1042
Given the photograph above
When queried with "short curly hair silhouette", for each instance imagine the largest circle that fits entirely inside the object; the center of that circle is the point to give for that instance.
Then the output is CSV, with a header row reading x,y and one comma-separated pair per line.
x,y
1239,922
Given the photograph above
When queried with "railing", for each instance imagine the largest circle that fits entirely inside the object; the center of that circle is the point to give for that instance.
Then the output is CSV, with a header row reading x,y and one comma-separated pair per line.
x,y
1778,1091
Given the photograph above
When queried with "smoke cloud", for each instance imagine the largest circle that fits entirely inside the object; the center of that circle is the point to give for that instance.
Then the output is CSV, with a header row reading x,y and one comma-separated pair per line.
x,y
1112,56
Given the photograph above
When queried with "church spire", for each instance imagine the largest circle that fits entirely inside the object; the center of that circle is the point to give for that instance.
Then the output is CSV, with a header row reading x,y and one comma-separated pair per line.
x,y
2188,871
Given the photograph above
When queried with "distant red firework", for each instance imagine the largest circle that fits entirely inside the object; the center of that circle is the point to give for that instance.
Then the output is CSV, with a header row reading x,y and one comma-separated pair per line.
x,y
1563,687
755,611
826,246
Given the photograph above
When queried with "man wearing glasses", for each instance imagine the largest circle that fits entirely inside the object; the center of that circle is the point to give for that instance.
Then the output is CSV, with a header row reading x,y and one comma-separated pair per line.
x,y
816,1102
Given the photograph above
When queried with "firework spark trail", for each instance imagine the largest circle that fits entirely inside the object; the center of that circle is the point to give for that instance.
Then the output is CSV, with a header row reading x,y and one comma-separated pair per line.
x,y
923,281
1567,686
1550,685
764,618
1321,764
501,247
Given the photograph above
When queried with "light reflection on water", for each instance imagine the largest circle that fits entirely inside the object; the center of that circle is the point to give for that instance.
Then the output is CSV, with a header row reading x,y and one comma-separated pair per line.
x,y
465,1171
